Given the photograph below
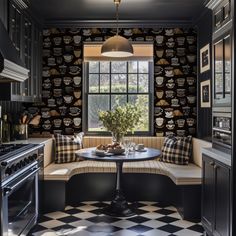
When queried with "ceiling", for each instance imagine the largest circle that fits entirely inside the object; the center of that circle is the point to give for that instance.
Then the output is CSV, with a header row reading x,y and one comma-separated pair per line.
x,y
130,10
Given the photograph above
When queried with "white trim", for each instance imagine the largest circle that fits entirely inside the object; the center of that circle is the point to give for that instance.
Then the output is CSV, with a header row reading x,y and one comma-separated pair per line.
x,y
205,83
206,67
13,72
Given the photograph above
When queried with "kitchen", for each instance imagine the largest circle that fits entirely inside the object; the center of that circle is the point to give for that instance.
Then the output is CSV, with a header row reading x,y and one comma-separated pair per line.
x,y
55,77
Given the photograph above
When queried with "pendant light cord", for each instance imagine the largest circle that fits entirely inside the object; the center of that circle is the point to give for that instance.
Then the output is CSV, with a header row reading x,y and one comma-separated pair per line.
x,y
117,3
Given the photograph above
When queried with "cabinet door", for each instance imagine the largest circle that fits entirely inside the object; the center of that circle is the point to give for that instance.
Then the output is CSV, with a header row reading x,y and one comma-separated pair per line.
x,y
4,12
219,70
15,33
227,68
222,200
27,56
36,64
208,185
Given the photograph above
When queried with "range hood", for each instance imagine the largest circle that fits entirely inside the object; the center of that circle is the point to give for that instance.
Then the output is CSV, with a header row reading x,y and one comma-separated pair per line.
x,y
12,69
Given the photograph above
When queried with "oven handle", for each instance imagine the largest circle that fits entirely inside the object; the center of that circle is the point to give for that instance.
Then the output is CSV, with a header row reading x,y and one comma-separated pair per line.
x,y
9,189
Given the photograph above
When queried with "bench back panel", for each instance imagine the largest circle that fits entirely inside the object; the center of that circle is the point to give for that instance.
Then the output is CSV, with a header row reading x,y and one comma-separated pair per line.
x,y
152,142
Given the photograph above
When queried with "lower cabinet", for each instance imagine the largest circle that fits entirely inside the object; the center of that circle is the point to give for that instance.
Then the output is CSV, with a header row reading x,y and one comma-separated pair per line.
x,y
215,197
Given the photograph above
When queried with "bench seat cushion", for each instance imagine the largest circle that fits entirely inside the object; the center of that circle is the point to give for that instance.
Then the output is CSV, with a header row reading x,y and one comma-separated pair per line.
x,y
180,175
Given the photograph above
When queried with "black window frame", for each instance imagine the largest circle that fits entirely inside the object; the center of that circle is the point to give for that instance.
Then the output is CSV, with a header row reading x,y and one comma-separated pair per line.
x,y
85,94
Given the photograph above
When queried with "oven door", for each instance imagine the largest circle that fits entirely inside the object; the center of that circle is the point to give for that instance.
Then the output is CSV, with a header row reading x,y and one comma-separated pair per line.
x,y
20,203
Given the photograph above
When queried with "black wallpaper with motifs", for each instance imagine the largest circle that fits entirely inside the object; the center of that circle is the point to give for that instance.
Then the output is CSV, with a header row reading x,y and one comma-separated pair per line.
x,y
175,73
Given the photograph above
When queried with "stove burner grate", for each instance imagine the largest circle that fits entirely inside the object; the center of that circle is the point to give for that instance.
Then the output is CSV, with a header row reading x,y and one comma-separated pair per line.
x,y
7,148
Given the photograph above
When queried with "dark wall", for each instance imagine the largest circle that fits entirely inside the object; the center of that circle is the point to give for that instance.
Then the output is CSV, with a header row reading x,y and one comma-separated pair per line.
x,y
175,73
204,127
11,108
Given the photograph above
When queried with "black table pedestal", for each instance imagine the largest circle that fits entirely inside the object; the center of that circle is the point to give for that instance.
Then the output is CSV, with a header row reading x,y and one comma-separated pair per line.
x,y
119,206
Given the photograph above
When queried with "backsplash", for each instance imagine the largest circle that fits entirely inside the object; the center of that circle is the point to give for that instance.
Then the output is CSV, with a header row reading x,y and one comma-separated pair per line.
x,y
175,72
11,108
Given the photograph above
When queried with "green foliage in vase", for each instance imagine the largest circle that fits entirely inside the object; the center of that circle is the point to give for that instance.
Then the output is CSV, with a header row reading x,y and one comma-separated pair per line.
x,y
122,119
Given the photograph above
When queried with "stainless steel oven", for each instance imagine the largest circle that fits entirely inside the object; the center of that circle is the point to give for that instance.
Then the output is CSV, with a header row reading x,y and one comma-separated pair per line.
x,y
221,132
20,201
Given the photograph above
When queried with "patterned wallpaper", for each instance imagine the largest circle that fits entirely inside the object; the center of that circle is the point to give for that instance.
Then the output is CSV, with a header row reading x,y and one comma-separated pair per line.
x,y
175,71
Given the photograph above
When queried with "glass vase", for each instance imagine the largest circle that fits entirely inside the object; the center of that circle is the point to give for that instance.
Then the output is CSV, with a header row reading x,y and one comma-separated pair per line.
x,y
117,137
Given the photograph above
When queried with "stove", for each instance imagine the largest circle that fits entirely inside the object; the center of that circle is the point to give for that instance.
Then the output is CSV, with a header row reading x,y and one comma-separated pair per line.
x,y
16,157
20,166
7,148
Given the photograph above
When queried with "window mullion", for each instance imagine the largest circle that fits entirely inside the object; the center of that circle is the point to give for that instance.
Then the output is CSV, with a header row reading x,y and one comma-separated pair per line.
x,y
110,86
99,77
127,82
138,77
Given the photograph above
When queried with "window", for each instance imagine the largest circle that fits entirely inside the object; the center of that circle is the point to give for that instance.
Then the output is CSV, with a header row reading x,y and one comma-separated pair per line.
x,y
117,82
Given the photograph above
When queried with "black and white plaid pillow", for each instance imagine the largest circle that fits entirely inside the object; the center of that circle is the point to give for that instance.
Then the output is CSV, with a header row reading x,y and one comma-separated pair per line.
x,y
65,149
177,150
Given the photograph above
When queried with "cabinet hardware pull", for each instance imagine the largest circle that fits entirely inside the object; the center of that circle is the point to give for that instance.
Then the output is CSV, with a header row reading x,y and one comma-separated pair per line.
x,y
216,167
212,163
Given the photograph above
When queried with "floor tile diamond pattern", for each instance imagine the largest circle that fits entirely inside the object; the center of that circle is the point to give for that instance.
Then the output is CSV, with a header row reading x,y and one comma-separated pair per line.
x,y
151,219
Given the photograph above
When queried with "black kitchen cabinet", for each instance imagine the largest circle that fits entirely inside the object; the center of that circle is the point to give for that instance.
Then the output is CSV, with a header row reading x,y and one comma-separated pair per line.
x,y
215,197
222,70
222,14
26,37
3,12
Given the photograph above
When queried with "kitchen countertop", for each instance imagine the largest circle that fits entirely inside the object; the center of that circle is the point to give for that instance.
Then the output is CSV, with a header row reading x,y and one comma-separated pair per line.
x,y
31,140
218,155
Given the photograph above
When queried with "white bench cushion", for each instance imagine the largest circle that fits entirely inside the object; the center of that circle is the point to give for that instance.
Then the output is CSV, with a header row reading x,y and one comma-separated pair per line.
x,y
152,142
180,175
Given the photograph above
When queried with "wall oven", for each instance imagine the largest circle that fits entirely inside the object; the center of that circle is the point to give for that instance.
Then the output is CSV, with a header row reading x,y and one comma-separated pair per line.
x,y
221,132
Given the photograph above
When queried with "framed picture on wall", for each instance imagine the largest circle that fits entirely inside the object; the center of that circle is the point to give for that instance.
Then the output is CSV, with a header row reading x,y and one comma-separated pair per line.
x,y
205,58
206,93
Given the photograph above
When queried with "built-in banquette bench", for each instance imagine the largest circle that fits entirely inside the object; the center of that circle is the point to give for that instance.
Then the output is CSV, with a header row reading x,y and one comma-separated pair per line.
x,y
154,180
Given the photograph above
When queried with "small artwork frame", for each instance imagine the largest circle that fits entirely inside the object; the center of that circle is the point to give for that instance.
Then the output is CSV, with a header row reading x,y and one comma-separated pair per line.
x,y
205,58
206,94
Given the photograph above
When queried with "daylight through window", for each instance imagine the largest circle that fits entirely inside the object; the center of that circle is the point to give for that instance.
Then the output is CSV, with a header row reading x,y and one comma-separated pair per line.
x,y
117,82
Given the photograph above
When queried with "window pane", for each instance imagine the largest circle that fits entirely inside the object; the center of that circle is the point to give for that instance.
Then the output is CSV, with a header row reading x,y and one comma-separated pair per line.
x,y
93,83
104,83
119,83
116,83
143,83
118,100
118,67
105,67
133,66
143,101
143,67
93,67
133,83
95,104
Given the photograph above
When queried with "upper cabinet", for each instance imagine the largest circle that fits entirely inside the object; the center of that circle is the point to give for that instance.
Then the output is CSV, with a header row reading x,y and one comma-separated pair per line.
x,y
222,14
26,37
222,70
222,56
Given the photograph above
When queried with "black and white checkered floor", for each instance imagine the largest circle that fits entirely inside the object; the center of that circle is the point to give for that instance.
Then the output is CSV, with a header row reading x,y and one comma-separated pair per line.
x,y
152,219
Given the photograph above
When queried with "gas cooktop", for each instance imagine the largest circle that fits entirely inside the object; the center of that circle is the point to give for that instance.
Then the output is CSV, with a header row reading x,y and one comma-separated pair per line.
x,y
16,157
6,148
9,150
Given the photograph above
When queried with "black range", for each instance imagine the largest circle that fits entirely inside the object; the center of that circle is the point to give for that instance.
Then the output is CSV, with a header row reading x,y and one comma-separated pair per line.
x,y
20,166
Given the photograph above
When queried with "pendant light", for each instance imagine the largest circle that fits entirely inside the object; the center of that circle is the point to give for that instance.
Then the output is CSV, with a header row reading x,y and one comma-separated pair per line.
x,y
117,46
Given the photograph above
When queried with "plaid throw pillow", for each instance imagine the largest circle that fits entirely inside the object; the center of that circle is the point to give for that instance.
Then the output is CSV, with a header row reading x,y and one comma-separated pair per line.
x,y
177,150
65,149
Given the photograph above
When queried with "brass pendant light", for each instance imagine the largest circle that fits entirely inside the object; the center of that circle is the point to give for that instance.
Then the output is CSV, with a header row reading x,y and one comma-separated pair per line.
x,y
117,46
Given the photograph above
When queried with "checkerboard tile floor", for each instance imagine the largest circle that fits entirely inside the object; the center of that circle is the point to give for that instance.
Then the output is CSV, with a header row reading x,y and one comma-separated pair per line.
x,y
87,219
